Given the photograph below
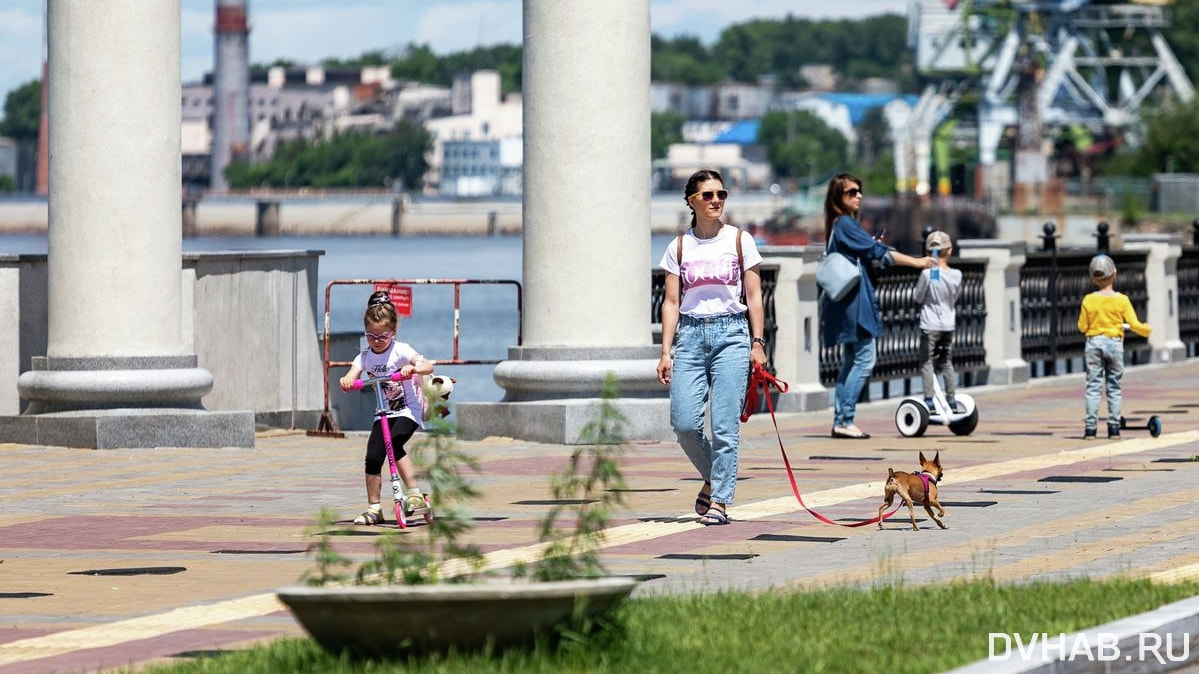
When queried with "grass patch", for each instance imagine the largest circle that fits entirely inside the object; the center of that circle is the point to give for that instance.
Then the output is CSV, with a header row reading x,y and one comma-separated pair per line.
x,y
889,628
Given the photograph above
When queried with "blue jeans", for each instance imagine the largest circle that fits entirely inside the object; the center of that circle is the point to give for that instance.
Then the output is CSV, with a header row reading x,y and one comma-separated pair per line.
x,y
1104,358
857,362
710,361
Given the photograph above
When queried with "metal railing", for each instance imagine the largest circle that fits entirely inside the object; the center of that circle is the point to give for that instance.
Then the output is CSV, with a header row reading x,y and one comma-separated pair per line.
x,y
769,275
1052,285
899,348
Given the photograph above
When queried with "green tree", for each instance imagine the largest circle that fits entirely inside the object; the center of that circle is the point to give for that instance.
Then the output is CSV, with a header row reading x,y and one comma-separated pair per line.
x,y
801,146
1171,139
665,128
23,111
683,60
347,160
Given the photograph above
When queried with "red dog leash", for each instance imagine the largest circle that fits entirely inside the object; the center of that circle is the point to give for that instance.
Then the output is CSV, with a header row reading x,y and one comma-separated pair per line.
x,y
760,378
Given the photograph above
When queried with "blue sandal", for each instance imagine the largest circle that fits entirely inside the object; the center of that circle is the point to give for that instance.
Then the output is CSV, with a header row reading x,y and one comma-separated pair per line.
x,y
714,517
703,501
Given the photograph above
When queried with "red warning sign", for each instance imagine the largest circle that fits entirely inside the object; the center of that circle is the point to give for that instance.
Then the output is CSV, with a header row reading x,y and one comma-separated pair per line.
x,y
401,297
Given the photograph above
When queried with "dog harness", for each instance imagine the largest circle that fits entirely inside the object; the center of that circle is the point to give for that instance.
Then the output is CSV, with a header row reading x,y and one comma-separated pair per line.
x,y
925,477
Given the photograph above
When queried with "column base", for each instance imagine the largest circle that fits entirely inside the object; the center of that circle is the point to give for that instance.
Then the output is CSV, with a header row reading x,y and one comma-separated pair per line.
x,y
552,392
1013,371
560,422
131,428
805,398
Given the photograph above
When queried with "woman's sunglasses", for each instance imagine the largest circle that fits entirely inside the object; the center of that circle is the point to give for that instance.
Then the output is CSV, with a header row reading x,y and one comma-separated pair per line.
x,y
853,192
707,196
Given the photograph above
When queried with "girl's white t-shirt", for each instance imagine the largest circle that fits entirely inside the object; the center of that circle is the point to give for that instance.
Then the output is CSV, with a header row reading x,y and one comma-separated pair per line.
x,y
710,280
401,395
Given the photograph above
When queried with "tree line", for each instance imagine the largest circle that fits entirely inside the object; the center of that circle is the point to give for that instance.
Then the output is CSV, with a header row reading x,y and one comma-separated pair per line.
x,y
799,145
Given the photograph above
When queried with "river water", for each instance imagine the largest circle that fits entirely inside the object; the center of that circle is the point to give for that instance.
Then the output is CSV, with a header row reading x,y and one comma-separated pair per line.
x,y
488,322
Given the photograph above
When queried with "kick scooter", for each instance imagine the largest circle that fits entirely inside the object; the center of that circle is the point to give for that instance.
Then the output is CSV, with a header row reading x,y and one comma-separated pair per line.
x,y
381,411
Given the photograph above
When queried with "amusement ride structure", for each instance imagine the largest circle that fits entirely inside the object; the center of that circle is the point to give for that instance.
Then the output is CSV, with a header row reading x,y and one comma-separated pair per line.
x,y
1026,69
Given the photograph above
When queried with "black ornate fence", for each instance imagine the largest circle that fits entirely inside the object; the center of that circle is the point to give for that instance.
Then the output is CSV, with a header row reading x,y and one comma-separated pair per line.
x,y
899,347
1188,298
769,273
1052,285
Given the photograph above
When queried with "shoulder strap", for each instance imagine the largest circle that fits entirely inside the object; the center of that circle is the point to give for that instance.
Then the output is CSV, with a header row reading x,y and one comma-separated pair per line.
x,y
678,258
740,258
741,264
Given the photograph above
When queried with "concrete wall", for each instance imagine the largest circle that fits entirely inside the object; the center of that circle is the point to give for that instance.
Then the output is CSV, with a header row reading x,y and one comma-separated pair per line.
x,y
250,315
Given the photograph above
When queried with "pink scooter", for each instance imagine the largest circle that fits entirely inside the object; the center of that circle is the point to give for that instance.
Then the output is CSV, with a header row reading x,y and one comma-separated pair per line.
x,y
397,485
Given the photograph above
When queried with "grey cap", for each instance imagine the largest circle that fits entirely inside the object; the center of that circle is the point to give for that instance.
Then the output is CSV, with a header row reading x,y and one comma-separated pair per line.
x,y
1102,267
937,240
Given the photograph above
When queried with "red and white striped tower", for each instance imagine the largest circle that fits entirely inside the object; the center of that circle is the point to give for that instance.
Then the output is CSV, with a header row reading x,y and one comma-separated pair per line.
x,y
230,89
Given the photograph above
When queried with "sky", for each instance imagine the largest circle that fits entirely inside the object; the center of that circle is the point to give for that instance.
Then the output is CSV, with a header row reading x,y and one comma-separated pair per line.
x,y
307,31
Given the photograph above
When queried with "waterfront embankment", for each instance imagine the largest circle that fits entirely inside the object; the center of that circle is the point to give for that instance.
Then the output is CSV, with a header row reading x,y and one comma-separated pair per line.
x,y
370,214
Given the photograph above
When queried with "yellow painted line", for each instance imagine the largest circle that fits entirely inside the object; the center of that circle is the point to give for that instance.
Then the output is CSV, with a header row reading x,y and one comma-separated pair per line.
x,y
194,617
145,627
1175,575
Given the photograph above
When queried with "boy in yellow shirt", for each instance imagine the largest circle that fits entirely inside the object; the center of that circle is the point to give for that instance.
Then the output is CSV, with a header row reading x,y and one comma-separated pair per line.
x,y
1104,316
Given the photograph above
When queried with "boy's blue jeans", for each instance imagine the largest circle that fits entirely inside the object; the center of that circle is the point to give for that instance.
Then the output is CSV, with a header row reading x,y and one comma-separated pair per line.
x,y
710,361
1104,358
857,362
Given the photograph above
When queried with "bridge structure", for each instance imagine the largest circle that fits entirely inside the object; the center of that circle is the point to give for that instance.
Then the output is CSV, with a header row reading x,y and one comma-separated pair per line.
x,y
1035,67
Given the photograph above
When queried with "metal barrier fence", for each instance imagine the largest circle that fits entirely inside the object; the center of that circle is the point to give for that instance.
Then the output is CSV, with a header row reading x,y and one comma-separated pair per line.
x,y
326,426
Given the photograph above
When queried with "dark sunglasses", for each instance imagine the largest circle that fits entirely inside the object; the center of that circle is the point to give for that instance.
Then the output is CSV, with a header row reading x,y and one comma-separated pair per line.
x,y
853,192
707,196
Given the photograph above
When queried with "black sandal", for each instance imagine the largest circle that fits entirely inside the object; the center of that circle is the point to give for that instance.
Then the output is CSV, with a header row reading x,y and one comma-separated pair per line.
x,y
703,500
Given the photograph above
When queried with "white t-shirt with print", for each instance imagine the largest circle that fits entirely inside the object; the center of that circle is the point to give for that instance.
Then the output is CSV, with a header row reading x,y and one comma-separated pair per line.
x,y
401,395
710,281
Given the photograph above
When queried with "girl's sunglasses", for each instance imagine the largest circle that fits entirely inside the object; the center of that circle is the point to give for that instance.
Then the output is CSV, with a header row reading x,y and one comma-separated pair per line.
x,y
707,196
376,337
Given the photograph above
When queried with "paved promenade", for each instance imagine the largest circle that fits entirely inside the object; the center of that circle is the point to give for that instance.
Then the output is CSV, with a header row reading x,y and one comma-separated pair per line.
x,y
122,557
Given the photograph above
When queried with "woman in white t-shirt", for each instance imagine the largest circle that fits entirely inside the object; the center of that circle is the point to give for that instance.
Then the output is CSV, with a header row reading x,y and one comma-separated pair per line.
x,y
712,326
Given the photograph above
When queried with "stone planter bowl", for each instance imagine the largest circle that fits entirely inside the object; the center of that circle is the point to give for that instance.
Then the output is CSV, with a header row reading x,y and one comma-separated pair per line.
x,y
388,620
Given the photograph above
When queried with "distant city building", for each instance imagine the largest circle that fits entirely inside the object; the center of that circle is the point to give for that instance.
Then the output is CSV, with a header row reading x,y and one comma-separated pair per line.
x,y
729,101
8,158
305,102
482,168
485,126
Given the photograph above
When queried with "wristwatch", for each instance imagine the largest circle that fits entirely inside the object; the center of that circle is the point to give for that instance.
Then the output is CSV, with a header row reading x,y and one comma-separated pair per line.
x,y
758,340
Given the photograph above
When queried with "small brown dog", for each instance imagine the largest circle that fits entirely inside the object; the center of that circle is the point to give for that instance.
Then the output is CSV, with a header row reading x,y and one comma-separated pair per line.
x,y
911,487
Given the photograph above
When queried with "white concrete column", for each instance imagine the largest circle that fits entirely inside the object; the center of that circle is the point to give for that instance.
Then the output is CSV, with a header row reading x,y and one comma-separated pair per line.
x,y
114,236
1001,288
115,345
586,172
586,228
797,324
1161,284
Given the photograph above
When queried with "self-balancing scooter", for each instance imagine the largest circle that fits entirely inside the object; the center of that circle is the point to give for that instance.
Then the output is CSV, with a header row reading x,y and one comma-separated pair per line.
x,y
912,417
381,414
1154,425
